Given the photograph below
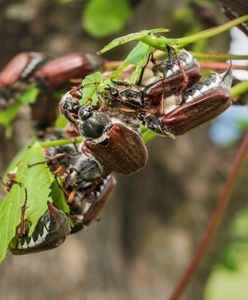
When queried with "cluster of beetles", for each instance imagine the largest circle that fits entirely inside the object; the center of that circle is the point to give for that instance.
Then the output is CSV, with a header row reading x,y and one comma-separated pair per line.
x,y
169,99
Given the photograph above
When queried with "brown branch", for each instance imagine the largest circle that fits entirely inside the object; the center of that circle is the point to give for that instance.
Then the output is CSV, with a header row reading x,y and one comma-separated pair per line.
x,y
221,66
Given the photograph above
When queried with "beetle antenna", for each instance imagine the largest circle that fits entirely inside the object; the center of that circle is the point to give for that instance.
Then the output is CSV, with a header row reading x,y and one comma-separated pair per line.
x,y
227,78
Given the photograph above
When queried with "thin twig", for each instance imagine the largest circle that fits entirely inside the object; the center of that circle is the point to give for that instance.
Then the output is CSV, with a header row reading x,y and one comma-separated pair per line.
x,y
61,142
221,66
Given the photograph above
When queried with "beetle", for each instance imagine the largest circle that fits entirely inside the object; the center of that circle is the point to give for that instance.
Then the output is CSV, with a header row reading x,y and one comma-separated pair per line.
x,y
85,187
20,68
17,74
202,102
173,80
58,72
50,232
89,200
116,146
163,83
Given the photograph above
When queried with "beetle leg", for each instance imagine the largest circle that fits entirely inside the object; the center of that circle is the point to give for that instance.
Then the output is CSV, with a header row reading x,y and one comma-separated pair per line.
x,y
58,156
104,106
185,78
87,193
74,143
69,116
170,51
119,82
11,180
21,229
162,105
71,196
170,63
75,81
59,171
152,59
149,58
52,158
92,188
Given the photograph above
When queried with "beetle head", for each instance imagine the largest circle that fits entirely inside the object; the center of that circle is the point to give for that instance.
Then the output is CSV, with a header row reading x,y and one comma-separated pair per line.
x,y
69,103
112,93
92,124
85,112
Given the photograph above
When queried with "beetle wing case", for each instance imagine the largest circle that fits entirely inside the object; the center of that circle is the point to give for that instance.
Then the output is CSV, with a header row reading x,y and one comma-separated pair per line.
x,y
58,72
171,85
20,67
204,101
125,151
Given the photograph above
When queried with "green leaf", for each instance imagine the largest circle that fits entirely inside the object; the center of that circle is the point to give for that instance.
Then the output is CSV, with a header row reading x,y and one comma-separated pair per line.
x,y
105,17
92,78
9,114
131,37
59,198
138,56
10,216
29,96
61,122
90,86
141,62
147,134
243,124
37,180
19,156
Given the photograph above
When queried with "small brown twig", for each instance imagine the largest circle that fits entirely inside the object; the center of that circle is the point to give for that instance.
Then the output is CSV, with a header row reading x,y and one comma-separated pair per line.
x,y
221,66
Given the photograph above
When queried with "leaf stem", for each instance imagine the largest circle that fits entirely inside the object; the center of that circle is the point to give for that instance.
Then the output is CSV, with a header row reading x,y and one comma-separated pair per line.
x,y
215,57
158,42
218,56
61,142
240,88
211,32
214,222
162,42
207,56
221,66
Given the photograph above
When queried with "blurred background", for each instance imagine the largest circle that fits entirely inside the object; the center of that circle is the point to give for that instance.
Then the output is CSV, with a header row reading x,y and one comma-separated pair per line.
x,y
151,226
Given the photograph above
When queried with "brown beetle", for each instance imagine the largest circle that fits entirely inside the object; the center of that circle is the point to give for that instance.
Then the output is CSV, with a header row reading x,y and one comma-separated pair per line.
x,y
122,151
202,102
163,82
50,232
173,80
58,72
115,146
20,68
